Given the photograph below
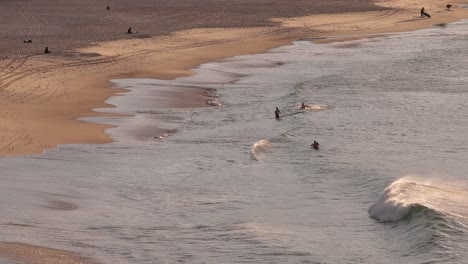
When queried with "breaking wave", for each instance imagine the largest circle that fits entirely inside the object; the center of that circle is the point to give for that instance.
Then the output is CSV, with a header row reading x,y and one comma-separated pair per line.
x,y
412,194
260,147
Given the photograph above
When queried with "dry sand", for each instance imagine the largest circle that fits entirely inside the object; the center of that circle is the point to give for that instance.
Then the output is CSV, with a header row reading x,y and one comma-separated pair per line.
x,y
42,94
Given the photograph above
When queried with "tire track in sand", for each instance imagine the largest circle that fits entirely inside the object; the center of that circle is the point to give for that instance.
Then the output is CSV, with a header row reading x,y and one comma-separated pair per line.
x,y
35,94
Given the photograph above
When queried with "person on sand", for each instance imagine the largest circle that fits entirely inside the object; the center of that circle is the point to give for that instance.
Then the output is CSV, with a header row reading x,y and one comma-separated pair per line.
x,y
315,145
277,113
46,50
424,14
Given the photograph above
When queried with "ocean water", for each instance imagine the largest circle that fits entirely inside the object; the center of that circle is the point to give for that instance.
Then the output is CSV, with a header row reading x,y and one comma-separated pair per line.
x,y
231,184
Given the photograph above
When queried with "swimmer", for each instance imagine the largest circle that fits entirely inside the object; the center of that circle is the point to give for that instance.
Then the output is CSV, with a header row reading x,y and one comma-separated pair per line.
x,y
315,145
303,106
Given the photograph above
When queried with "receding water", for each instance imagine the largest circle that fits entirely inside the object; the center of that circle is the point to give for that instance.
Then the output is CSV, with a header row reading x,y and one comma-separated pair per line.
x,y
234,185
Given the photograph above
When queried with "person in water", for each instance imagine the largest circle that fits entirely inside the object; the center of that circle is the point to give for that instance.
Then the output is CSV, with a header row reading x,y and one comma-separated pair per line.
x,y
303,106
277,113
315,145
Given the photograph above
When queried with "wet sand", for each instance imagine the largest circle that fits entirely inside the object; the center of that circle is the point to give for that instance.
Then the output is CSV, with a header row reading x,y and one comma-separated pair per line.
x,y
24,253
42,95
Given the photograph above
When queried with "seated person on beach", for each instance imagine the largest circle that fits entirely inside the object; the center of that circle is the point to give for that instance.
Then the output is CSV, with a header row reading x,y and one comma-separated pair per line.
x,y
424,14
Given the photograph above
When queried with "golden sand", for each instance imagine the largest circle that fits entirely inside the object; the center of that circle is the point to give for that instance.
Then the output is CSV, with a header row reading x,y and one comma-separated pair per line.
x,y
42,95
31,254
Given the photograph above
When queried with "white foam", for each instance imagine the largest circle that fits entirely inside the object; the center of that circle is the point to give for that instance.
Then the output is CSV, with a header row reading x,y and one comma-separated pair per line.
x,y
441,194
260,147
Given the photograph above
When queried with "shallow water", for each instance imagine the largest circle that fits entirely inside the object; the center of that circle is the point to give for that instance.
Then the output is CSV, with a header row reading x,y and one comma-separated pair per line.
x,y
234,185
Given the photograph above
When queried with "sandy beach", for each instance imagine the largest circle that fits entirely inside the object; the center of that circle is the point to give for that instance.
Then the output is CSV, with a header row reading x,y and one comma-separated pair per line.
x,y
43,95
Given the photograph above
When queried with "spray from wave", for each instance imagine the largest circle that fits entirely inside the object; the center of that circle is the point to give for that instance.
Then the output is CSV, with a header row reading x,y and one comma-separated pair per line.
x,y
314,107
262,146
259,147
442,195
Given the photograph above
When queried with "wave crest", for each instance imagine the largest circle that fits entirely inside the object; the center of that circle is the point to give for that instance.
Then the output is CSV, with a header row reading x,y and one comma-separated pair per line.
x,y
315,107
401,196
260,147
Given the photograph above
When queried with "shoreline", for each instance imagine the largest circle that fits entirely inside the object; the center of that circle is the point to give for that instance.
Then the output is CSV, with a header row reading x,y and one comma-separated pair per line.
x,y
74,88
50,120
25,253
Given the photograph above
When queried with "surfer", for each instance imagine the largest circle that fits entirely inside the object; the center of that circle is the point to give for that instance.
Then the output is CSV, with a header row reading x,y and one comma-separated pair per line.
x,y
315,145
277,113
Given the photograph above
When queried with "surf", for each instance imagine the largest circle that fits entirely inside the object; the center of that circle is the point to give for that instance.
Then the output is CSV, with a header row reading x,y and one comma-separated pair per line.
x,y
260,147
445,196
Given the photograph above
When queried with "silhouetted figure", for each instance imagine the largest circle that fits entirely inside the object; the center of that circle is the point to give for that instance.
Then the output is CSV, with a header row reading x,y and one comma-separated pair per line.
x,y
129,31
315,145
448,6
424,14
27,41
108,8
277,113
303,106
46,50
